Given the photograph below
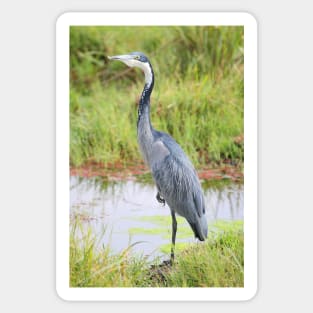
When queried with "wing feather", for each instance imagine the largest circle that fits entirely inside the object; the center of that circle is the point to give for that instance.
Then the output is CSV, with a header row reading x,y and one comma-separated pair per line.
x,y
176,177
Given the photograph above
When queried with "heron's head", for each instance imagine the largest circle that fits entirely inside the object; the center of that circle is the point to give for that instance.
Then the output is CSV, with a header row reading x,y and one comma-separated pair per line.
x,y
133,59
136,59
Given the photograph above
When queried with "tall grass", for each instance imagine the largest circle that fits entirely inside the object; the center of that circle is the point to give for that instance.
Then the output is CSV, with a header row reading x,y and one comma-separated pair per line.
x,y
218,262
198,94
93,265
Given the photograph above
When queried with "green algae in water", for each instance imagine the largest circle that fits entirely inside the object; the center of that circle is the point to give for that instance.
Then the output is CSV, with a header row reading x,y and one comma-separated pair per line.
x,y
183,232
160,220
147,231
226,226
179,246
164,227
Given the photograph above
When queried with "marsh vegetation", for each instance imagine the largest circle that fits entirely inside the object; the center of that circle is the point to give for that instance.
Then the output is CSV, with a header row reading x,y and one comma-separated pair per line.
x,y
197,98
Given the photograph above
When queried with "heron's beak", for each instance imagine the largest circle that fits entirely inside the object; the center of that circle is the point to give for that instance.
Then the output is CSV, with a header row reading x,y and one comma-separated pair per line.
x,y
123,57
128,59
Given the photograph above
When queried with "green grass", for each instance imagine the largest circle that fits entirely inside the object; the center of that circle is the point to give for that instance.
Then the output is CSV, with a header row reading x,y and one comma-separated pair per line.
x,y
198,94
218,262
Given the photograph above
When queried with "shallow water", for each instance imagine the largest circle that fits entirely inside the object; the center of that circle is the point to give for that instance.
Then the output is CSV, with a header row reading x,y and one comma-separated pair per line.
x,y
122,213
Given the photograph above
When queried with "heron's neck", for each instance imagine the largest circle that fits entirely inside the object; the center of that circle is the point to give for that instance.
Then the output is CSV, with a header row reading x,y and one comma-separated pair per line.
x,y
144,127
144,103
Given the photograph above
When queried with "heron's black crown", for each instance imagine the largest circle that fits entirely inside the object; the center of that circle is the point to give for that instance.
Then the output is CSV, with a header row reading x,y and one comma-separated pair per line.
x,y
140,56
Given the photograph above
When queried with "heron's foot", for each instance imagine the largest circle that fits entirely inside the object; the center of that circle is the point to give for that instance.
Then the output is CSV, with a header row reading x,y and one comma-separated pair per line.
x,y
160,198
159,272
167,263
164,264
171,261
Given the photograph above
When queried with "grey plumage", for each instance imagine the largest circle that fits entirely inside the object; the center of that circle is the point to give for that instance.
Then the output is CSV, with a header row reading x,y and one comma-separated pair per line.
x,y
178,184
174,175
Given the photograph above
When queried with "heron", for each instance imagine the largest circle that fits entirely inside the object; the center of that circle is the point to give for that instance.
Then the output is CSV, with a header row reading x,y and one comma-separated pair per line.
x,y
175,177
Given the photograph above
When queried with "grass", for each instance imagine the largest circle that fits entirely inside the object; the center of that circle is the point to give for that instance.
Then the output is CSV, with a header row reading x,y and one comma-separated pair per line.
x,y
218,262
198,94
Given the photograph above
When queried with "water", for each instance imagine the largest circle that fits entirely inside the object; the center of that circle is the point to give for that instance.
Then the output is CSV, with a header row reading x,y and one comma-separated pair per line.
x,y
122,213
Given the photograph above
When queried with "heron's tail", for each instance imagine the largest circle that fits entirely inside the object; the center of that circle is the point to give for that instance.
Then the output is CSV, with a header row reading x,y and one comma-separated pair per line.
x,y
200,228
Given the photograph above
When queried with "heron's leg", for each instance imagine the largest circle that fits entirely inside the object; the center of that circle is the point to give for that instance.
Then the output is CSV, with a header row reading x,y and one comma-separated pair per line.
x,y
174,229
160,198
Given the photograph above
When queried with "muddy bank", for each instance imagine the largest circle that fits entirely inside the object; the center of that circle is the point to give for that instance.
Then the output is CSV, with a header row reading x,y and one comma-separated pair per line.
x,y
119,171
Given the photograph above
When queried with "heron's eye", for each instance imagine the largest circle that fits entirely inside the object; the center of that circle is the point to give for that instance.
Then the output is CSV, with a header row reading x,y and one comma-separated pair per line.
x,y
137,57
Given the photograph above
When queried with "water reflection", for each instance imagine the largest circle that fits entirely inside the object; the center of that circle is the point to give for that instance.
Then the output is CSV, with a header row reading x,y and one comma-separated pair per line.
x,y
113,209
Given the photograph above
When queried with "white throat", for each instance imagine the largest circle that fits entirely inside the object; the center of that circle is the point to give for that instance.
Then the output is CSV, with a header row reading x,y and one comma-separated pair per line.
x,y
147,70
144,66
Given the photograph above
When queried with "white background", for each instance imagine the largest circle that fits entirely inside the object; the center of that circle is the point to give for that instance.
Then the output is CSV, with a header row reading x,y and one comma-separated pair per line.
x,y
27,162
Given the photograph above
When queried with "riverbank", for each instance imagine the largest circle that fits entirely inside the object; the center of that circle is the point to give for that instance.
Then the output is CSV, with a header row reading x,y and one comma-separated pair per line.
x,y
119,171
218,262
